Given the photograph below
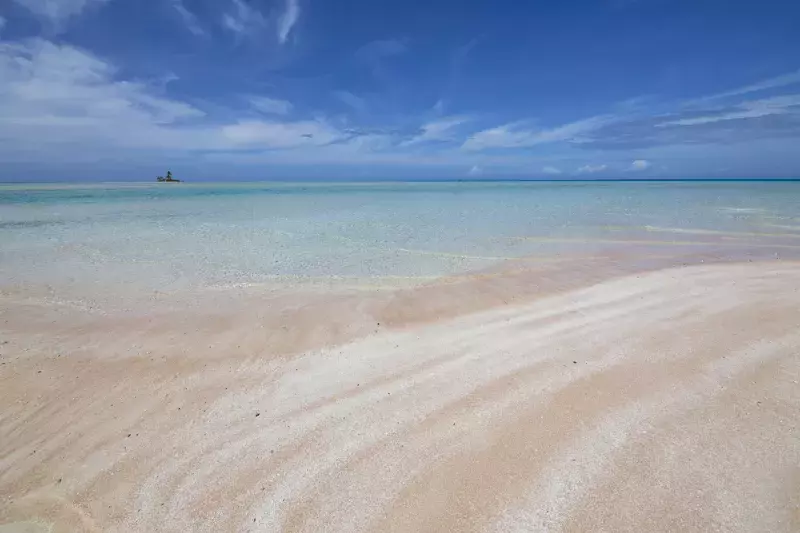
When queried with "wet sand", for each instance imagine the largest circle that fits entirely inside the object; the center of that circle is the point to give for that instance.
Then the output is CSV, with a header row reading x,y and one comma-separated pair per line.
x,y
596,394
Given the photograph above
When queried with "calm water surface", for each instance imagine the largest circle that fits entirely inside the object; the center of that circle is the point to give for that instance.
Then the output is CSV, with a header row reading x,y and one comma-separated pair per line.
x,y
95,238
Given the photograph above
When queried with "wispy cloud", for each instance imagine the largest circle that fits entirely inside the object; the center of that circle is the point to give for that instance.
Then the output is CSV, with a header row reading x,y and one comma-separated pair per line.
x,y
270,106
66,101
784,80
59,100
272,135
2,23
516,136
189,18
552,171
58,95
507,136
777,105
438,130
349,99
591,169
707,121
243,20
57,12
288,20
229,22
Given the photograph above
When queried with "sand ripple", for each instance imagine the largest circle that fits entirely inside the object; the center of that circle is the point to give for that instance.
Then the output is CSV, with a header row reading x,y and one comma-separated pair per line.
x,y
666,401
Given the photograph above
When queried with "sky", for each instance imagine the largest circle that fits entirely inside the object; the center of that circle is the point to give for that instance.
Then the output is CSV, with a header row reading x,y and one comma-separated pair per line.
x,y
383,89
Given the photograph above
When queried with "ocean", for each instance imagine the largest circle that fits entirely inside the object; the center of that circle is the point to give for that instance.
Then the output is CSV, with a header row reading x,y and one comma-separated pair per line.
x,y
86,241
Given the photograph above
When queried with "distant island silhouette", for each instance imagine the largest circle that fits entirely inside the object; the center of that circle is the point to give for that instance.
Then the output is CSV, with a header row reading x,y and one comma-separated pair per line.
x,y
168,178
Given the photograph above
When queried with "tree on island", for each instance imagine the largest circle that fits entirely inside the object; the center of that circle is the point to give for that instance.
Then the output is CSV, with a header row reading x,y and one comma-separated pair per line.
x,y
168,178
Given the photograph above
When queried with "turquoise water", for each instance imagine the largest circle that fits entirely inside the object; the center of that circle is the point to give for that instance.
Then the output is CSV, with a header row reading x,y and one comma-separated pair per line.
x,y
79,239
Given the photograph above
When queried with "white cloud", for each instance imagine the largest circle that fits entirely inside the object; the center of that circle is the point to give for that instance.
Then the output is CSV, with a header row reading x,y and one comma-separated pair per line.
x,y
777,105
58,95
696,121
439,130
288,20
512,136
39,77
591,169
63,104
57,101
244,19
57,12
498,137
270,106
189,18
475,171
62,101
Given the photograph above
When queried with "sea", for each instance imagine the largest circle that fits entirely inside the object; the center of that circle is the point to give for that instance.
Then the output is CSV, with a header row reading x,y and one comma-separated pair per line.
x,y
81,240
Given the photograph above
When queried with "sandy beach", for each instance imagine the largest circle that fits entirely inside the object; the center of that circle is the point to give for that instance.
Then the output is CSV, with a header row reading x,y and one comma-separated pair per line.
x,y
555,398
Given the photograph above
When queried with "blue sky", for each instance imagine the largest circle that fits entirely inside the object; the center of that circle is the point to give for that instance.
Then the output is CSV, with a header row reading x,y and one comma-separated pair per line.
x,y
371,89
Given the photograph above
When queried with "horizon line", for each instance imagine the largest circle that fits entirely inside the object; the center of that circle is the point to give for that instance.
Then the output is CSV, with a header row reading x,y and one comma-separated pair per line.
x,y
420,180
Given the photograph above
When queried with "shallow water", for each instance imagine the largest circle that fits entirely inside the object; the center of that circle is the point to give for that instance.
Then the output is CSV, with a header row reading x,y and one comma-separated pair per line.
x,y
83,240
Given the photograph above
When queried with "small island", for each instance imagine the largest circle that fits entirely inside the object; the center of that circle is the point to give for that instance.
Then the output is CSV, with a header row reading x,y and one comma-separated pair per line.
x,y
169,178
